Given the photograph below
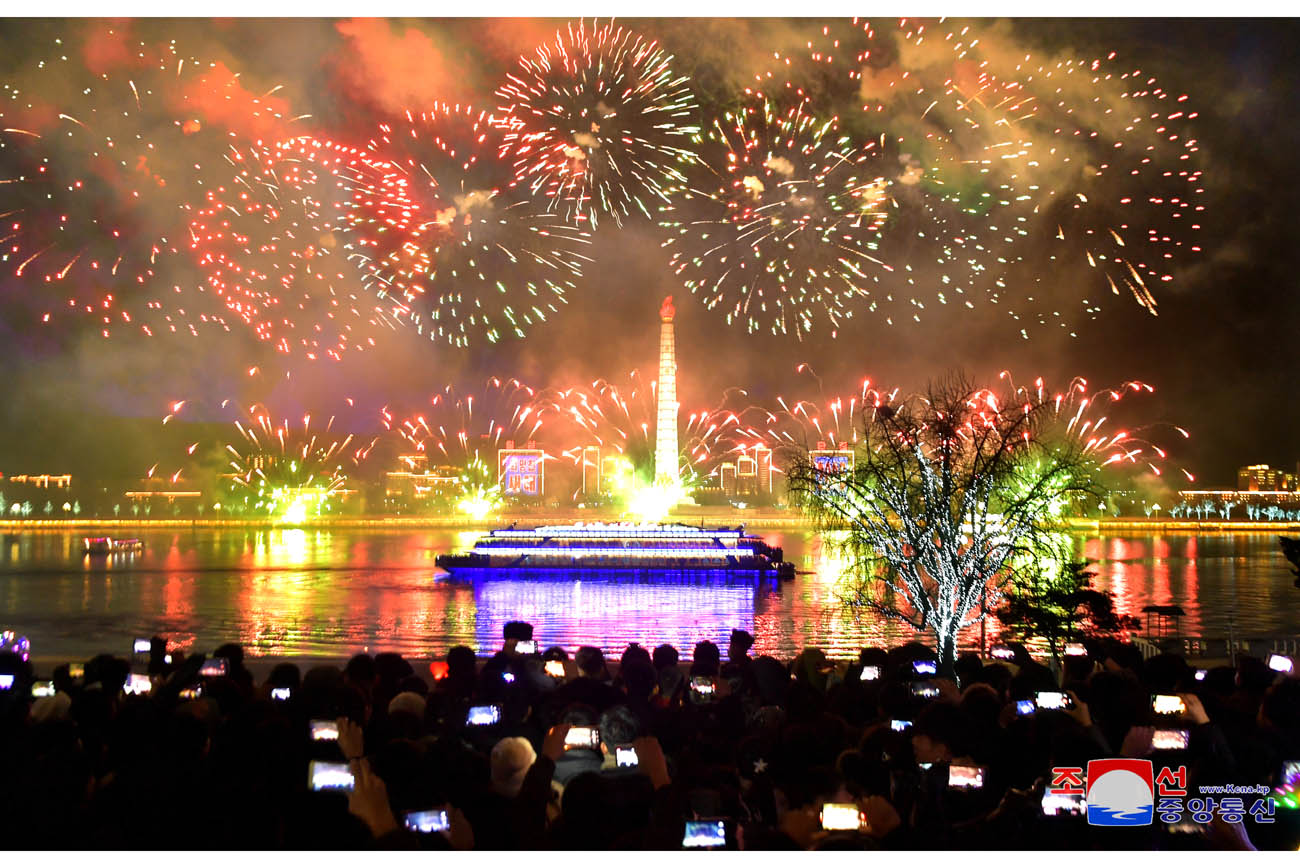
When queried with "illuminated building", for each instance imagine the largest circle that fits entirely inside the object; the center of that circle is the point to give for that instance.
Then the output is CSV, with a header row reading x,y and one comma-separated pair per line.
x,y
753,471
727,478
831,462
667,470
1262,477
42,481
521,471
415,481
160,488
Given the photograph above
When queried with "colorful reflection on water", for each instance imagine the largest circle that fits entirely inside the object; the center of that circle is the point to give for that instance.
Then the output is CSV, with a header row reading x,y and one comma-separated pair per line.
x,y
317,592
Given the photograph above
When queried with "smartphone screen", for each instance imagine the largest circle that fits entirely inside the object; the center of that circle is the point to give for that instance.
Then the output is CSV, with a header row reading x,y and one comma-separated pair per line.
x,y
702,685
438,670
965,777
899,724
1280,663
191,694
1075,649
1004,653
1168,705
1064,804
77,671
281,694
137,684
328,776
1052,701
489,714
324,729
217,667
507,676
925,668
526,647
142,645
1024,708
432,821
705,834
925,690
1200,674
555,668
6,682
43,689
1165,738
870,672
579,737
625,757
841,816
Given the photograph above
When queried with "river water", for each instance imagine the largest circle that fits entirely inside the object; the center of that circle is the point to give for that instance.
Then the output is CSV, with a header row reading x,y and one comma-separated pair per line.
x,y
335,592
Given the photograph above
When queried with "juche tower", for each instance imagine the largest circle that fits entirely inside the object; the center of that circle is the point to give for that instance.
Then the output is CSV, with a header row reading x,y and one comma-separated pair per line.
x,y
666,454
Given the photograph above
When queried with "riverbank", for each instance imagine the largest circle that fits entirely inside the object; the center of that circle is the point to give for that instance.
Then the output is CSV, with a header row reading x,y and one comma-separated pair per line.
x,y
750,518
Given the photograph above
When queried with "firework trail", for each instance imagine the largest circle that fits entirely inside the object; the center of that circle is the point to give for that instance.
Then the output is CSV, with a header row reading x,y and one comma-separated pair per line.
x,y
785,222
818,421
1023,168
274,242
608,127
472,257
100,170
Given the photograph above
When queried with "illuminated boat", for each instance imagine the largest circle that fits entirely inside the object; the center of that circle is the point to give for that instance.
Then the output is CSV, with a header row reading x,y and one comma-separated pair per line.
x,y
106,546
622,547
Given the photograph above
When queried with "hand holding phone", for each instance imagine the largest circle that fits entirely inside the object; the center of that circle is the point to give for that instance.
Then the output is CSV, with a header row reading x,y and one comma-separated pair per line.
x,y
870,672
705,834
1168,705
1168,738
137,684
526,647
582,737
488,714
431,821
925,668
329,776
1053,701
43,689
554,668
961,776
1280,663
324,729
281,694
215,667
625,756
841,816
141,646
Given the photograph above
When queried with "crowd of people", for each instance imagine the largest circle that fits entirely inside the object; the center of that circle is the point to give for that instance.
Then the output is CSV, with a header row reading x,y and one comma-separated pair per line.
x,y
537,750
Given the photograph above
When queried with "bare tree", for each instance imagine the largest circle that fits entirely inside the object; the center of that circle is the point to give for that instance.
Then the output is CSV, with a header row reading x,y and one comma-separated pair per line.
x,y
951,494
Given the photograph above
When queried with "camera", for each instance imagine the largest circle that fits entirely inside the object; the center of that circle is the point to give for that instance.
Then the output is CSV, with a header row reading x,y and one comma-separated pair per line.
x,y
1064,804
1168,705
554,668
324,729
1280,663
841,816
870,672
1053,701
281,694
137,684
705,834
432,821
899,724
43,689
329,776
579,737
1025,708
489,714
625,756
1168,738
925,668
215,667
960,776
526,647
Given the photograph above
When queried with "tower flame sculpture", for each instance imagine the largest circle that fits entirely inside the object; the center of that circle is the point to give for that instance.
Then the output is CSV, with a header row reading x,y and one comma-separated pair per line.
x,y
667,472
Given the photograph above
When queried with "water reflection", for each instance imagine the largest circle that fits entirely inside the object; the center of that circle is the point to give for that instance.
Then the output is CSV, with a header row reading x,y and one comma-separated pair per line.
x,y
316,592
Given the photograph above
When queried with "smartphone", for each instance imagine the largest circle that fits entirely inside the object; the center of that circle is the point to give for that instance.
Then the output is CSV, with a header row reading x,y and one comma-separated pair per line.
x,y
191,694
705,834
77,671
432,821
141,646
899,724
489,714
324,729
870,672
6,682
215,667
438,670
1200,674
1025,708
702,686
1064,804
1168,738
965,777
841,816
925,668
137,684
1075,649
626,757
925,690
526,647
281,694
1281,664
579,737
1053,701
1168,705
508,677
555,668
1003,653
329,776
43,689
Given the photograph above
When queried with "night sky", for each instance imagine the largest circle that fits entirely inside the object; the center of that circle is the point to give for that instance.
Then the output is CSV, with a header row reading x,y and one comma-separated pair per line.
x,y
1221,354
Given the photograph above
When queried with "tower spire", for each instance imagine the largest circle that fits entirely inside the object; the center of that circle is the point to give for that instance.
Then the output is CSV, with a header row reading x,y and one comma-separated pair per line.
x,y
666,453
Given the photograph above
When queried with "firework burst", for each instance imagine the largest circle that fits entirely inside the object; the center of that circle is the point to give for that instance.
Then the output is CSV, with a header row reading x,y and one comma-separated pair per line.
x,y
608,127
472,256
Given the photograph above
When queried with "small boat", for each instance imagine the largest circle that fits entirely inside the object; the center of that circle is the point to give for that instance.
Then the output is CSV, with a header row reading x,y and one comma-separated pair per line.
x,y
641,547
104,546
